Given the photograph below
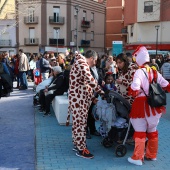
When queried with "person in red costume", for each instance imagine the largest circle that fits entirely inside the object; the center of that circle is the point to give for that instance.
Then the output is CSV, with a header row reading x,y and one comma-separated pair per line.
x,y
144,118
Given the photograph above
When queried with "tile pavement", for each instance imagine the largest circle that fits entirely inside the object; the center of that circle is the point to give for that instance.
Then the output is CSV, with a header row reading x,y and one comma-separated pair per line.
x,y
54,148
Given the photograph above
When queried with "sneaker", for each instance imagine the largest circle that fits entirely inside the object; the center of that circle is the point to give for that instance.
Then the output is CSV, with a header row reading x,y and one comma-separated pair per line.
x,y
47,114
88,136
96,133
41,110
85,154
150,159
75,148
136,162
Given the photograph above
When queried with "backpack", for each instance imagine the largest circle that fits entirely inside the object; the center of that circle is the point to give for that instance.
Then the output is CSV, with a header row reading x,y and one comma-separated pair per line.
x,y
156,96
37,73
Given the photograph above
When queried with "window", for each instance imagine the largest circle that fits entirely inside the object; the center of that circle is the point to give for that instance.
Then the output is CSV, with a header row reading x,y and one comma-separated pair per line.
x,y
56,13
84,34
92,35
148,6
32,35
92,17
131,30
84,15
31,14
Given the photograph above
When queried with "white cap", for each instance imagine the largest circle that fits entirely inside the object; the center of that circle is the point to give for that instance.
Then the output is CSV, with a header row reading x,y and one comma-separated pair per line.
x,y
57,69
142,55
76,52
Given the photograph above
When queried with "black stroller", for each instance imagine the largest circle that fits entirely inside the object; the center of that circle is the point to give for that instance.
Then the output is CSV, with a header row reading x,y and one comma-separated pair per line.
x,y
115,134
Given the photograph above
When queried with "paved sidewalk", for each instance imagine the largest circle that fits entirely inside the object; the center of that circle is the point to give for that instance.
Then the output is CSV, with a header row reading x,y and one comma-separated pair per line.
x,y
17,131
54,149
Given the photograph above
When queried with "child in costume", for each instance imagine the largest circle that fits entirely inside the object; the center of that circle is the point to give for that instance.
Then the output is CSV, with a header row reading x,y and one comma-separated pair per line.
x,y
109,82
144,118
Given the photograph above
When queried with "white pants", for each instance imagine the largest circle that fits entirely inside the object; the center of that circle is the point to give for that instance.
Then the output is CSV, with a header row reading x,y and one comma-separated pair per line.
x,y
147,124
45,76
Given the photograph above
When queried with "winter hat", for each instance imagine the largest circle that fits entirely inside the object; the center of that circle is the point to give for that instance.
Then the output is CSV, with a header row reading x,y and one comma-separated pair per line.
x,y
141,55
57,69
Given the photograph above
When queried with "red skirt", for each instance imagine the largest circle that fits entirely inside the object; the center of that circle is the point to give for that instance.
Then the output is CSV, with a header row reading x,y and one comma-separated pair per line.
x,y
140,106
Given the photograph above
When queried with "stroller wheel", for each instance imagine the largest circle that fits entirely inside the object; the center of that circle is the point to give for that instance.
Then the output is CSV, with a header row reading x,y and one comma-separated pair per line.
x,y
120,150
107,143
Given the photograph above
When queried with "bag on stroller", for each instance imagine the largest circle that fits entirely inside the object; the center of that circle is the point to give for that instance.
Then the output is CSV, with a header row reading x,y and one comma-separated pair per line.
x,y
120,128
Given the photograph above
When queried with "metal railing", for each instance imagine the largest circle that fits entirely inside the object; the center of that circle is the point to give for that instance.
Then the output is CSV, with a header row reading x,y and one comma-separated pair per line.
x,y
85,24
85,43
5,43
31,41
30,20
56,20
53,41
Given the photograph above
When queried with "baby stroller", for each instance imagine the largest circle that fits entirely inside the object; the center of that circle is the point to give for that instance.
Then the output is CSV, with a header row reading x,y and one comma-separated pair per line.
x,y
37,78
120,129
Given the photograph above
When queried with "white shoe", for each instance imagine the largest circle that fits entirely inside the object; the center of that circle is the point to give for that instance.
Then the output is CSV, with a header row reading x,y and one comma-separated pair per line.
x,y
136,162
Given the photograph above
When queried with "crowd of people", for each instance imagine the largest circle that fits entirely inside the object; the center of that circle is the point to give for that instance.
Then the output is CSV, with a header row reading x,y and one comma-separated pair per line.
x,y
88,76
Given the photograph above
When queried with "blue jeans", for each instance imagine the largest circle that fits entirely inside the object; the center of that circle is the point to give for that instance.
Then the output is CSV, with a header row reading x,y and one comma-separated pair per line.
x,y
23,79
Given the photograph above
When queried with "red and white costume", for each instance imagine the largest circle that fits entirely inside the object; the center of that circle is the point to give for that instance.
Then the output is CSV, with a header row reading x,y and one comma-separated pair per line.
x,y
144,118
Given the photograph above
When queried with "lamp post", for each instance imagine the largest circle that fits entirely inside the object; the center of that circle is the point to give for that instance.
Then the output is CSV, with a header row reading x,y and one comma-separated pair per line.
x,y
57,40
77,8
157,28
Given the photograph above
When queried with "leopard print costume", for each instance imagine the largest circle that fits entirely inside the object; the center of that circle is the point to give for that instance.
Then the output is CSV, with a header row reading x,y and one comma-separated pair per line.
x,y
127,79
80,96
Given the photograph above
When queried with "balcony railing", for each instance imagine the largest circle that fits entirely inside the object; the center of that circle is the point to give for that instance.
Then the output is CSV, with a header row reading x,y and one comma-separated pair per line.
x,y
31,41
5,43
56,20
30,20
85,24
85,43
53,41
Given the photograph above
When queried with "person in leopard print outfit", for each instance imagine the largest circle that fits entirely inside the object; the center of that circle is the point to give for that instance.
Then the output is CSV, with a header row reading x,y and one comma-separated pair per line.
x,y
126,71
80,97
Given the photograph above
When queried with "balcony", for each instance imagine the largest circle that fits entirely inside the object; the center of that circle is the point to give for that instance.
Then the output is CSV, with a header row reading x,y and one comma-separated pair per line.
x,y
5,43
31,41
85,43
56,20
53,41
85,24
30,20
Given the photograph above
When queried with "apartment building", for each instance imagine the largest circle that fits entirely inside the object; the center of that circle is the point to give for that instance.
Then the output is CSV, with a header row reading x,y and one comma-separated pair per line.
x,y
148,23
7,27
53,25
138,22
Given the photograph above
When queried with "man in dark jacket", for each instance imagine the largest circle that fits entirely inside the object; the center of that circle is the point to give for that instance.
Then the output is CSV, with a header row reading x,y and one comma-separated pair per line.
x,y
45,66
5,80
54,89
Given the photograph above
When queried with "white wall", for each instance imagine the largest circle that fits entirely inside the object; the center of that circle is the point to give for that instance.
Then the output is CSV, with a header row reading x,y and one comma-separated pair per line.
x,y
145,17
146,32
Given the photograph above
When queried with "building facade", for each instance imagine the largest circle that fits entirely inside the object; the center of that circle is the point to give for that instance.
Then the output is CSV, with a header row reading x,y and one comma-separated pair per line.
x,y
115,29
148,23
7,27
53,25
138,22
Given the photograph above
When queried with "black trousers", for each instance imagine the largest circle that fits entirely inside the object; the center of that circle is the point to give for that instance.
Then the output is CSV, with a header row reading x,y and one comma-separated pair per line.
x,y
91,120
45,101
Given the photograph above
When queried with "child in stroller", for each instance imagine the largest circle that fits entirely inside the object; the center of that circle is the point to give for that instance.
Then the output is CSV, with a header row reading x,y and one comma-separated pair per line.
x,y
115,125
